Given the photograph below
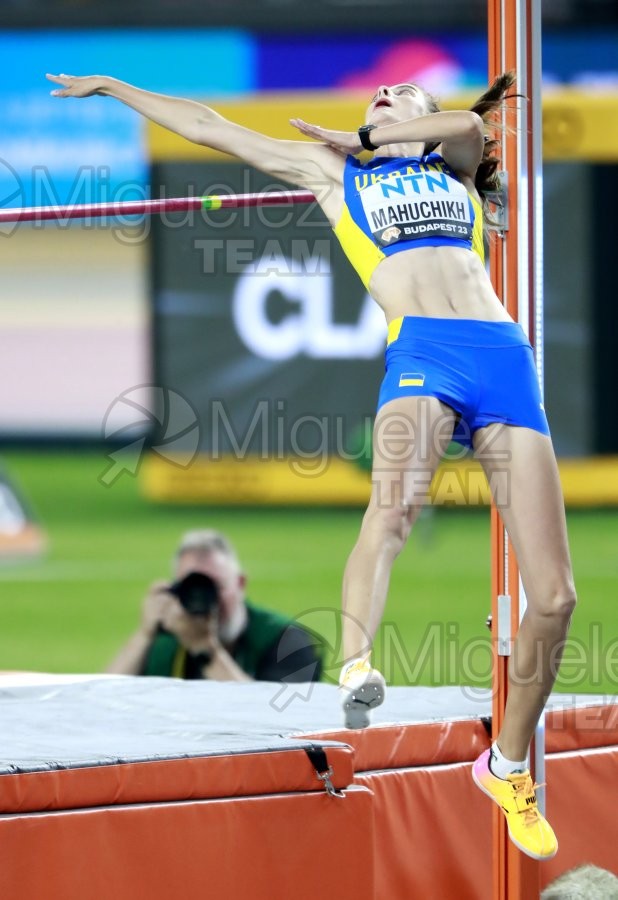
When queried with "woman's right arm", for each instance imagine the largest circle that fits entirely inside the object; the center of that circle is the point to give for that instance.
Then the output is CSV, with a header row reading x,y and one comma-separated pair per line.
x,y
300,162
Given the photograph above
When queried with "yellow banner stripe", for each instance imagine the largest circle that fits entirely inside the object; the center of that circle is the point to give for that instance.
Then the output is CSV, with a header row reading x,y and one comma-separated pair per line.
x,y
589,481
576,124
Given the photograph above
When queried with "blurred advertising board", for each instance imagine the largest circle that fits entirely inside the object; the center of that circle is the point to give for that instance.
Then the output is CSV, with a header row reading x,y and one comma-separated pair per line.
x,y
264,329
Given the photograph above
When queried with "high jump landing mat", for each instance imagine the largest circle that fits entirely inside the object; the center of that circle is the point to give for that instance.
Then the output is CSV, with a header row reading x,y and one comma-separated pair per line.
x,y
117,788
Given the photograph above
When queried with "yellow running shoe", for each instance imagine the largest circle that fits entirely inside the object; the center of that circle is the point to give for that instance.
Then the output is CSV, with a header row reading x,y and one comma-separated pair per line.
x,y
528,829
363,688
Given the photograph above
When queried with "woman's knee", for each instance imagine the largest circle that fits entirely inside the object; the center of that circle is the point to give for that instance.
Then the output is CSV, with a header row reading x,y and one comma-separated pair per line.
x,y
391,524
559,600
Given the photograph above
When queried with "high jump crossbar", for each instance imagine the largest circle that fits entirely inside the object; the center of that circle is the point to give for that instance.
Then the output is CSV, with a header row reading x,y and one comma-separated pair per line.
x,y
152,207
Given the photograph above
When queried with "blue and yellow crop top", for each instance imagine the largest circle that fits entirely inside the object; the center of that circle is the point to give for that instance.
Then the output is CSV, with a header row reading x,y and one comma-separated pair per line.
x,y
393,204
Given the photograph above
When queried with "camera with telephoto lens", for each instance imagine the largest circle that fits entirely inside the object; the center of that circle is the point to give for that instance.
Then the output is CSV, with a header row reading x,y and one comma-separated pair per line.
x,y
197,593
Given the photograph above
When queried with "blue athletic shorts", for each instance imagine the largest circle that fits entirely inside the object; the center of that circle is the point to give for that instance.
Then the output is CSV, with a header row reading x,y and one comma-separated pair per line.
x,y
483,370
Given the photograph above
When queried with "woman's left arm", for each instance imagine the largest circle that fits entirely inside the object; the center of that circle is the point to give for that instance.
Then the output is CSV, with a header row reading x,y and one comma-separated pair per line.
x,y
460,132
462,149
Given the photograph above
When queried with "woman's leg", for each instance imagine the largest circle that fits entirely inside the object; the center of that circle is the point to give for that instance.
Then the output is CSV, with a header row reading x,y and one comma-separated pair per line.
x,y
521,468
410,437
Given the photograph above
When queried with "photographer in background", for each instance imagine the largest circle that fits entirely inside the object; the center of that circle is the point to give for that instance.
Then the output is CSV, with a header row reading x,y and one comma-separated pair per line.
x,y
202,625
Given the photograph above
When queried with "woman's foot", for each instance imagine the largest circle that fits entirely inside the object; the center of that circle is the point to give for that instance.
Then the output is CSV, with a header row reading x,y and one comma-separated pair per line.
x,y
362,688
528,829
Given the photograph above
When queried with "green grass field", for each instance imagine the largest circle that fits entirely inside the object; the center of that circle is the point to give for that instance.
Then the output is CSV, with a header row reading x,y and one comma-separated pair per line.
x,y
70,611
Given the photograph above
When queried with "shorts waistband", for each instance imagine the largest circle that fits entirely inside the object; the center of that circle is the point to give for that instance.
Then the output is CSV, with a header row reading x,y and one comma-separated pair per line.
x,y
463,332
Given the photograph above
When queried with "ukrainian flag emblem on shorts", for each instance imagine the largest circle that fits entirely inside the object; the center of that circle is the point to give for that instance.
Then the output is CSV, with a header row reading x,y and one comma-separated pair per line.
x,y
411,379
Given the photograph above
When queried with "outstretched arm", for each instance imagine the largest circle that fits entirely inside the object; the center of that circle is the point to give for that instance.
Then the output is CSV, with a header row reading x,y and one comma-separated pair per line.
x,y
460,132
299,162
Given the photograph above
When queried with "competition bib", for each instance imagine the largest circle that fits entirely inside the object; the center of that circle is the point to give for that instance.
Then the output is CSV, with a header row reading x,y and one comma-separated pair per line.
x,y
415,201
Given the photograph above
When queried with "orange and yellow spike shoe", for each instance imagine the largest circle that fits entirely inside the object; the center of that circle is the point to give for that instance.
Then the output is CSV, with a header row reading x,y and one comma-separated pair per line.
x,y
362,688
528,829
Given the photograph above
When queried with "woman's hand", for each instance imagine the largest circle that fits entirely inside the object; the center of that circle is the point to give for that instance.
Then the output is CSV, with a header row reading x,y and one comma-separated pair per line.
x,y
342,142
76,86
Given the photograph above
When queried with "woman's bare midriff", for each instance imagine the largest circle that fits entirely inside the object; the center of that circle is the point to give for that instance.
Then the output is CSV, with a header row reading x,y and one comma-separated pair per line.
x,y
441,282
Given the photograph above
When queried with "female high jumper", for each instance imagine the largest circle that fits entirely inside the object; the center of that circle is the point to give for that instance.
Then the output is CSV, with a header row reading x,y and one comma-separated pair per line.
x,y
410,220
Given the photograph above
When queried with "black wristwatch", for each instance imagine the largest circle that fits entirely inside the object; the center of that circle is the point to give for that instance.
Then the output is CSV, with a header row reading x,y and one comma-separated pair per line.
x,y
363,133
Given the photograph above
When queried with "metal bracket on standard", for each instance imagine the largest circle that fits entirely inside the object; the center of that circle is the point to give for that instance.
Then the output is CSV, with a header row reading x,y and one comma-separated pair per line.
x,y
504,625
499,201
317,756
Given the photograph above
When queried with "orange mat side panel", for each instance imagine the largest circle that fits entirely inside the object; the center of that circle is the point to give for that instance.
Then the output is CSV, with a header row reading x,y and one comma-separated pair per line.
x,y
159,781
434,827
443,742
581,726
263,848
422,744
433,834
582,797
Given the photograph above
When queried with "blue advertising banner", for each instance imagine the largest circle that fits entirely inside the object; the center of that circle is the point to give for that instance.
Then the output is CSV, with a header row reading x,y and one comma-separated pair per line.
x,y
443,62
54,151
